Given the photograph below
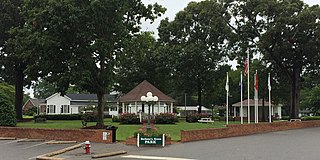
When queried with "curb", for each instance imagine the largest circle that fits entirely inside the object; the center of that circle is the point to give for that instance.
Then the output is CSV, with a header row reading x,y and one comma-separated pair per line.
x,y
8,138
31,140
49,158
61,142
109,154
63,150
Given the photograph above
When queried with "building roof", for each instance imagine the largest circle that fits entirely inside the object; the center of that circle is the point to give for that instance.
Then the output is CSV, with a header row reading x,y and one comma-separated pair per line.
x,y
193,108
141,90
37,102
245,103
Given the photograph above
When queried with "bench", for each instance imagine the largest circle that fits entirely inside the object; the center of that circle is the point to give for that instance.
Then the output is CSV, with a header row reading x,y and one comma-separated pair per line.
x,y
206,120
294,120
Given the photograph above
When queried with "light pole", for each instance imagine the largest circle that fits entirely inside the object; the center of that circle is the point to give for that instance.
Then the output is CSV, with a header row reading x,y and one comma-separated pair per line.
x,y
149,99
130,107
165,108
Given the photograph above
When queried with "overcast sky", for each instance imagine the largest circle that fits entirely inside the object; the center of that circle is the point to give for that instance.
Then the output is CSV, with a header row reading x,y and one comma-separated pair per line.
x,y
174,6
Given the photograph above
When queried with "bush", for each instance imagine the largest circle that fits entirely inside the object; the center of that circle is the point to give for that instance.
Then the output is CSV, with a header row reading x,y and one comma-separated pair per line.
x,y
310,118
195,117
115,119
166,118
31,111
7,113
61,117
129,118
89,117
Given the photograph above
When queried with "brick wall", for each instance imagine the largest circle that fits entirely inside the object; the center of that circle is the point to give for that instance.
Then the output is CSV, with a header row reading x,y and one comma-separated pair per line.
x,y
79,135
244,129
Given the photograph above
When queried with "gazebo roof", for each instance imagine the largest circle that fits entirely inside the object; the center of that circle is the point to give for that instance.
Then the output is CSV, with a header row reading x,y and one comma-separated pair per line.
x,y
245,103
141,90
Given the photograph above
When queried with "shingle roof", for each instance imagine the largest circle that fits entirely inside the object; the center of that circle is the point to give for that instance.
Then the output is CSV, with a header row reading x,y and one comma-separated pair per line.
x,y
37,102
141,90
90,97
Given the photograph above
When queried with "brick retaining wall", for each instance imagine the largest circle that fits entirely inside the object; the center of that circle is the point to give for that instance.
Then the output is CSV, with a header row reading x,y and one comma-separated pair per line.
x,y
244,129
79,135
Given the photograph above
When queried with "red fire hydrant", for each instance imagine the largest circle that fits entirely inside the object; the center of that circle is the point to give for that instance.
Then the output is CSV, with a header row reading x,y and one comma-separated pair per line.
x,y
87,147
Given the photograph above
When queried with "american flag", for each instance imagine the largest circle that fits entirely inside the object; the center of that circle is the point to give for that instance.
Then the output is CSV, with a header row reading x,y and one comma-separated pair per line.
x,y
246,66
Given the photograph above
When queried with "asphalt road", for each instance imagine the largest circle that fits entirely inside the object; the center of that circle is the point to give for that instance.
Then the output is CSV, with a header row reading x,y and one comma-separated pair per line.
x,y
301,144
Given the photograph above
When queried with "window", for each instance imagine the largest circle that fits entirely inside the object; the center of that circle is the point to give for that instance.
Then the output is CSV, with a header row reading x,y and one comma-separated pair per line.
x,y
65,108
51,108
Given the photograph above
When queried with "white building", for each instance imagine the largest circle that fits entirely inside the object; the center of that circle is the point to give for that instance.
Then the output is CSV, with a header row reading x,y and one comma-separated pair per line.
x,y
75,103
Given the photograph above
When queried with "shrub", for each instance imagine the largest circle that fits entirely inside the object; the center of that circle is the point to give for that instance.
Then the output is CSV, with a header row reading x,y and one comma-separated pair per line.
x,y
31,111
195,117
7,113
61,117
166,118
129,118
310,118
89,117
149,134
115,119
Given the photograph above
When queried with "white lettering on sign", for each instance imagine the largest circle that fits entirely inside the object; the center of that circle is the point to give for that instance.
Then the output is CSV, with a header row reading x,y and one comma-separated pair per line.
x,y
105,135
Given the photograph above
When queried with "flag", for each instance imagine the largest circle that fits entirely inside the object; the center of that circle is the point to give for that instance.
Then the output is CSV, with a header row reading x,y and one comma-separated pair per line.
x,y
269,83
246,66
256,86
227,83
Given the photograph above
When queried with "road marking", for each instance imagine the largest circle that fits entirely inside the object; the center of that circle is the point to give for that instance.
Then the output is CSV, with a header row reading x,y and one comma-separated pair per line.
x,y
13,141
37,145
154,157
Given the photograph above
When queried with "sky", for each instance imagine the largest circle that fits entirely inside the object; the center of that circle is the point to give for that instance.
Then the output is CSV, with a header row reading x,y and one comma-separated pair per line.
x,y
173,7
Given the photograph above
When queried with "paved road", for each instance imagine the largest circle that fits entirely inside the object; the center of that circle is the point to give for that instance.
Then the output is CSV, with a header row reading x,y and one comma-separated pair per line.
x,y
285,145
302,144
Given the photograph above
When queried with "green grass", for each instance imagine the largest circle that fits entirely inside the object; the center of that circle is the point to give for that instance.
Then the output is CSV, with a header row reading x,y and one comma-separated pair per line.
x,y
124,131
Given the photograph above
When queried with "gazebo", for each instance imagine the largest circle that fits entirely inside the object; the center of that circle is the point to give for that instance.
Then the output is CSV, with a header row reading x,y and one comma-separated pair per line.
x,y
131,102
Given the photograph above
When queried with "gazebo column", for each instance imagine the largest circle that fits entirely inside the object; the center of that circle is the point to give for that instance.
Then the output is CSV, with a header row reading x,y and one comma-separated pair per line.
x,y
171,108
118,108
123,111
159,104
136,107
234,111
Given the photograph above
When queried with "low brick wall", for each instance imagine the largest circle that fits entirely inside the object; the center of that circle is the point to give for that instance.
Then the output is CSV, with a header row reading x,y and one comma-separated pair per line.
x,y
244,129
79,135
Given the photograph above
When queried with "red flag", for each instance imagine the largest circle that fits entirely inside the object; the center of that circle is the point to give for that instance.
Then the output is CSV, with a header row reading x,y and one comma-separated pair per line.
x,y
246,68
256,86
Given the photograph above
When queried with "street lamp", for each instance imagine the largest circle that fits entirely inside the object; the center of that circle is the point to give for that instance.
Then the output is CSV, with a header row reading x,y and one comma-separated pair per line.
x,y
149,99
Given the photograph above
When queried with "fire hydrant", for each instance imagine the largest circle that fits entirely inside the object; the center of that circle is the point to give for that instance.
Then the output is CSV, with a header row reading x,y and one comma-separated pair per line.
x,y
87,147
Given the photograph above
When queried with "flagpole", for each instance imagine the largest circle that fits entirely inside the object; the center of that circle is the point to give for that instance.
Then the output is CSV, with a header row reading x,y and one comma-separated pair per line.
x,y
269,88
241,95
248,87
227,89
255,98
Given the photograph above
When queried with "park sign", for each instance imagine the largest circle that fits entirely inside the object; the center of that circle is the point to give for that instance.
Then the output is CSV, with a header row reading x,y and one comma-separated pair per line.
x,y
151,140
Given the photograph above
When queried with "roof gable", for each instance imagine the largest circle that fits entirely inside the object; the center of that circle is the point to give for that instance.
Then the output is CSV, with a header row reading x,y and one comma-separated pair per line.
x,y
141,90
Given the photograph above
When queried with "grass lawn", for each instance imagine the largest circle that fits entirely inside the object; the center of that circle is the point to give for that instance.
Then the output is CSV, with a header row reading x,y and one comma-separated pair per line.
x,y
125,131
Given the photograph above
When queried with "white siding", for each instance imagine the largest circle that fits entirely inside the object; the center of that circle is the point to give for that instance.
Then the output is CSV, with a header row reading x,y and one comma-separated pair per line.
x,y
58,101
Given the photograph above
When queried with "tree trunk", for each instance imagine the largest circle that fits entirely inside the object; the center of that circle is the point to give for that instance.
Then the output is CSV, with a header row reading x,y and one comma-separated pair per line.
x,y
100,115
19,92
295,93
199,94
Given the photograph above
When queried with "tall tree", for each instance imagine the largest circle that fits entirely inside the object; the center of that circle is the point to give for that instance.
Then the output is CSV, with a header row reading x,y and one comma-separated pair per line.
x,y
197,34
285,32
13,64
77,41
